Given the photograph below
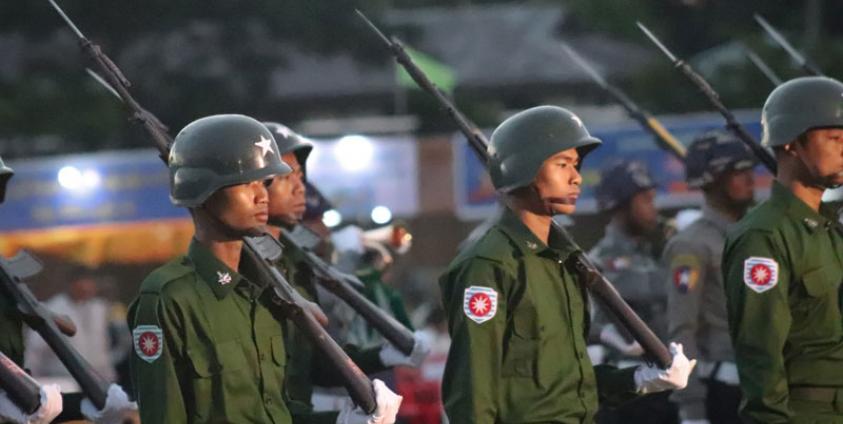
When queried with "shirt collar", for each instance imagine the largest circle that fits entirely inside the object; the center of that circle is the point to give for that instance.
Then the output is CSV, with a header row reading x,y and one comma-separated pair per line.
x,y
799,210
526,242
720,220
219,277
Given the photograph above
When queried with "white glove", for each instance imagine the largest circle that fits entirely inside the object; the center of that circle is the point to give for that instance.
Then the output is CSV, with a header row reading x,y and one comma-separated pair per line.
x,y
651,379
695,422
391,356
610,336
116,410
387,409
51,406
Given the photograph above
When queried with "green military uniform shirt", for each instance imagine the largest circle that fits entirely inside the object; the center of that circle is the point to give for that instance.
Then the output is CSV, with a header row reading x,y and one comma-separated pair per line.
x,y
208,347
517,320
306,366
782,267
11,330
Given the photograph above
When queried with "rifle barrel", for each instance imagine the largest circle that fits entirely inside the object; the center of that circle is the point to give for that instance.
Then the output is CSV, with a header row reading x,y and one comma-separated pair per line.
x,y
599,287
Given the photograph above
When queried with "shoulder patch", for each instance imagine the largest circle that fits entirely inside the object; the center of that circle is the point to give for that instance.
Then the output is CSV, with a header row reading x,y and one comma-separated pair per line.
x,y
148,341
760,274
480,304
685,272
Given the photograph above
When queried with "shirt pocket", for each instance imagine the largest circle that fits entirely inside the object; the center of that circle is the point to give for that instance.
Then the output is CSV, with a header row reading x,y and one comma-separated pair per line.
x,y
211,360
522,348
820,281
816,313
218,378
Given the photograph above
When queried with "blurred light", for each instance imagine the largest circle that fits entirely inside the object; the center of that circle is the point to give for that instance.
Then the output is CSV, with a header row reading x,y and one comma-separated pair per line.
x,y
91,178
354,152
71,178
381,214
331,218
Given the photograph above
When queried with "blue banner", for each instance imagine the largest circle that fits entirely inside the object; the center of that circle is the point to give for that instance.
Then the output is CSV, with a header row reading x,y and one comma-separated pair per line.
x,y
96,188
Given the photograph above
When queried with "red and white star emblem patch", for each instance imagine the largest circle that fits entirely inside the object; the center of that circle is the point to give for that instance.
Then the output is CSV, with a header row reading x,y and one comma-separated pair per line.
x,y
148,341
480,304
760,274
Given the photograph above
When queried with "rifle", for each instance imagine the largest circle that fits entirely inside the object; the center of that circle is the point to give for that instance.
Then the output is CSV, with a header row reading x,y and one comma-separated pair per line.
x,y
342,285
359,386
593,280
762,66
703,86
797,57
23,390
12,271
664,138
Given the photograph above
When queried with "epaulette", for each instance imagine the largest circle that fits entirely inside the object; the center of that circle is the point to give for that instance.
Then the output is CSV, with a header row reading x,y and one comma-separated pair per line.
x,y
494,246
169,272
765,217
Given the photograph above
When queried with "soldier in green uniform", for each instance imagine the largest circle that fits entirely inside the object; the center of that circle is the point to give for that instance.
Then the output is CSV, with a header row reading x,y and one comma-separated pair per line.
x,y
517,315
626,256
783,262
722,167
208,342
305,368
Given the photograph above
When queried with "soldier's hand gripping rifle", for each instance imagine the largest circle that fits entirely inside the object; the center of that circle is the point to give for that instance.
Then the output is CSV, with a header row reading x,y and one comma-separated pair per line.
x,y
36,316
764,156
359,386
343,286
594,281
649,122
799,58
22,389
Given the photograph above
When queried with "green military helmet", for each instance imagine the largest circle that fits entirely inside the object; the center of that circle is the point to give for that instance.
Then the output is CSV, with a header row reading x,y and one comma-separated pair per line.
x,y
289,141
521,144
799,105
5,174
219,151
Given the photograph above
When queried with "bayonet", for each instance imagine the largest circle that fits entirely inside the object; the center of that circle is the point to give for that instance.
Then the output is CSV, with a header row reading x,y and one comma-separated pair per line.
x,y
764,156
649,122
797,57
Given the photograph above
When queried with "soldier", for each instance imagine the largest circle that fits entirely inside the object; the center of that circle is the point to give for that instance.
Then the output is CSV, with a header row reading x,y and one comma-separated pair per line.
x,y
304,368
783,261
722,167
626,256
516,314
208,340
54,404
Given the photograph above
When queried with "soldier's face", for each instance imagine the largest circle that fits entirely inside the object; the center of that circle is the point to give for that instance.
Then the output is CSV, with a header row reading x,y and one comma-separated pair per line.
x,y
287,194
739,186
558,182
241,207
822,154
642,211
